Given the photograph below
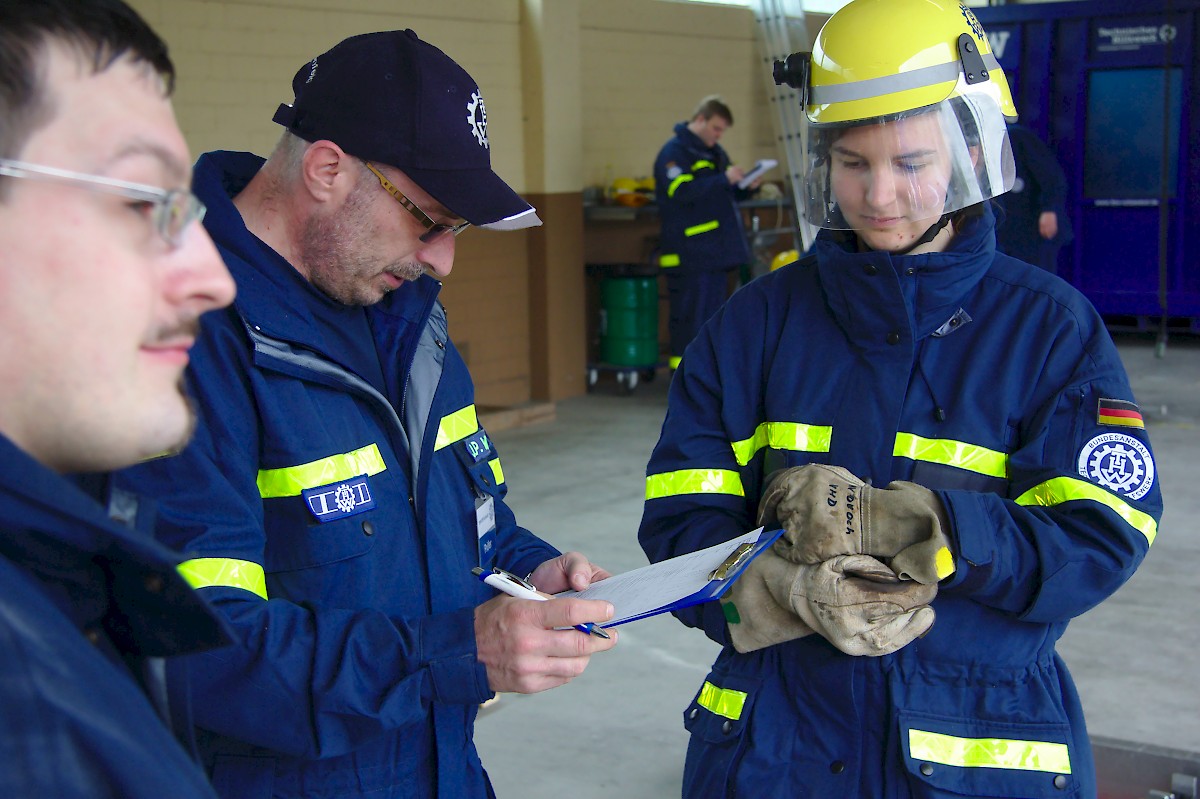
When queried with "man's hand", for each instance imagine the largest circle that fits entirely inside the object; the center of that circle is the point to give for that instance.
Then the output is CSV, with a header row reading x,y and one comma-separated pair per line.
x,y
826,511
1048,224
733,174
571,570
524,653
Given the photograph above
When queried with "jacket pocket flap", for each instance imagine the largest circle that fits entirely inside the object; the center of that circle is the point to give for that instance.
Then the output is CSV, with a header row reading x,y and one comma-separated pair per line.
x,y
970,757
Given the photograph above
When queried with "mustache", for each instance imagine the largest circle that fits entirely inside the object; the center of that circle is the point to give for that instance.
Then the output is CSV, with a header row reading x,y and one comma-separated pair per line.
x,y
183,329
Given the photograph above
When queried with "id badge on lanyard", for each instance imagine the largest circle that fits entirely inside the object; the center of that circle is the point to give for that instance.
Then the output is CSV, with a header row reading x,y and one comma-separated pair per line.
x,y
485,528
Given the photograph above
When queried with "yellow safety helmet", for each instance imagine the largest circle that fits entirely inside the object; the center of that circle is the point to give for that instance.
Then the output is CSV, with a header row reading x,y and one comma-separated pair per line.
x,y
876,58
784,258
876,65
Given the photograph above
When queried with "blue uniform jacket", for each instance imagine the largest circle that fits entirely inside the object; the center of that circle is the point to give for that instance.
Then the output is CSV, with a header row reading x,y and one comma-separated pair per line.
x,y
335,527
1038,454
88,610
701,224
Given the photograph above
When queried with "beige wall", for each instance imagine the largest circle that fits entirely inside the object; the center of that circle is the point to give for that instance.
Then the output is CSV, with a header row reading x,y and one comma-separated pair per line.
x,y
578,91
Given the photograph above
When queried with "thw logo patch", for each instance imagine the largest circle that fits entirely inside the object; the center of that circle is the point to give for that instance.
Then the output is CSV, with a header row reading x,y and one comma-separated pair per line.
x,y
338,500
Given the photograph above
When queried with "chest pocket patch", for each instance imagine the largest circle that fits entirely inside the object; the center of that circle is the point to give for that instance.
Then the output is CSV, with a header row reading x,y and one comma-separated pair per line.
x,y
339,500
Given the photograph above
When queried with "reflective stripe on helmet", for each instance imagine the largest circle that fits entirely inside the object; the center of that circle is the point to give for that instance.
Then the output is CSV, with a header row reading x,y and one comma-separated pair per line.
x,y
890,84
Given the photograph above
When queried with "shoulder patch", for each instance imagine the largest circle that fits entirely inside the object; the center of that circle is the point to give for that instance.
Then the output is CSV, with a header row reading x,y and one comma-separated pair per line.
x,y
1119,462
1120,413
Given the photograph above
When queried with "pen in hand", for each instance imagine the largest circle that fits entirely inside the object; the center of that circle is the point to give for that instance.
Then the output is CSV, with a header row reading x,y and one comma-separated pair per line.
x,y
521,589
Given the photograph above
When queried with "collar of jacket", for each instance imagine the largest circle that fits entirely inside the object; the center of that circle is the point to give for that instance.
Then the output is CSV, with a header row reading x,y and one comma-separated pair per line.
x,y
692,142
873,294
97,571
271,294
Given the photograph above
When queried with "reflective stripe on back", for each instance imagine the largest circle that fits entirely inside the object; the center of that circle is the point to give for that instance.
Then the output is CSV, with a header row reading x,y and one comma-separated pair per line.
x,y
789,436
971,457
289,481
703,227
226,572
1008,753
455,427
1058,490
694,481
722,701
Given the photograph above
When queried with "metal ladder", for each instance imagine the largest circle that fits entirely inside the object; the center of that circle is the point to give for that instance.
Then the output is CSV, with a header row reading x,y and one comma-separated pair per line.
x,y
782,30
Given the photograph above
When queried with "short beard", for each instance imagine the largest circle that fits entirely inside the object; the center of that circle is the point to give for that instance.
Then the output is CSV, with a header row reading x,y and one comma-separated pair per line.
x,y
333,249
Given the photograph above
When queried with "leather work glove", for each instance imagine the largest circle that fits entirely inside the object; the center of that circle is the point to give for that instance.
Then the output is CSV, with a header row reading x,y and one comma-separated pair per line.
x,y
854,601
826,511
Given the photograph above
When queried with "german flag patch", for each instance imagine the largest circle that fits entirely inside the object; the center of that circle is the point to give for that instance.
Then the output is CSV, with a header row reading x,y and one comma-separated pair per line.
x,y
1120,413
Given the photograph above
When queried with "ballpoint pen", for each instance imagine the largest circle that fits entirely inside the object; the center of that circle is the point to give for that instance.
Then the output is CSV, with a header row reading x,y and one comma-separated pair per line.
x,y
513,585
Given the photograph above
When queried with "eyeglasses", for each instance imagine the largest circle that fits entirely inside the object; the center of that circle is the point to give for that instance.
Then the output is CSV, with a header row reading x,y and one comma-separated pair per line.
x,y
433,229
172,210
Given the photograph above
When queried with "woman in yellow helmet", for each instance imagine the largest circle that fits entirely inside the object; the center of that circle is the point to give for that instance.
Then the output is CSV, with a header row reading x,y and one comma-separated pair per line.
x,y
900,642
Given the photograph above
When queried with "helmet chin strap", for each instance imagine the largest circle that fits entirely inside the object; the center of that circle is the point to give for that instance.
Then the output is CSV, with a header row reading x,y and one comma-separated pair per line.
x,y
929,235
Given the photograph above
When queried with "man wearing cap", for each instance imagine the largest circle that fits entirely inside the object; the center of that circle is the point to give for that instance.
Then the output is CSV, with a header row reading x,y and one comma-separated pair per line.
x,y
340,489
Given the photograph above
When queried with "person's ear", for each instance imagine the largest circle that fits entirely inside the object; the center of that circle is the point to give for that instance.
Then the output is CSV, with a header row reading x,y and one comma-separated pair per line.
x,y
327,171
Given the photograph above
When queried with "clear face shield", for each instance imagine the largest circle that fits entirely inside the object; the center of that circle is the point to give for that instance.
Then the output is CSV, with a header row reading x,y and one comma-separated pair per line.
x,y
909,168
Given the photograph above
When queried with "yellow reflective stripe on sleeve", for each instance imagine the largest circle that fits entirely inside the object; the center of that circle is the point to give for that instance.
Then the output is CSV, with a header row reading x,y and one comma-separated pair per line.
x,y
703,164
704,227
1058,490
228,572
722,701
497,470
971,457
677,182
289,481
1010,753
694,481
671,259
455,427
674,361
790,436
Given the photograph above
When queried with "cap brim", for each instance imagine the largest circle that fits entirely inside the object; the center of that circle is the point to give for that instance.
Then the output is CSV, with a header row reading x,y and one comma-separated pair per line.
x,y
478,196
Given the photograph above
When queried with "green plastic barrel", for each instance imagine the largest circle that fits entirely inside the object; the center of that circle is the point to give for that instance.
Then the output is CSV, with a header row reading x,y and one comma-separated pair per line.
x,y
629,321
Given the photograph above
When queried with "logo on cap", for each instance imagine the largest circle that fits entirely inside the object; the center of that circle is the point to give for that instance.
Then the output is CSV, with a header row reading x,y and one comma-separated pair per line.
x,y
477,116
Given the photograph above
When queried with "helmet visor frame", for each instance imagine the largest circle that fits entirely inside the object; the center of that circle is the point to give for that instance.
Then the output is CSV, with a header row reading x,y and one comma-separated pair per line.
x,y
913,166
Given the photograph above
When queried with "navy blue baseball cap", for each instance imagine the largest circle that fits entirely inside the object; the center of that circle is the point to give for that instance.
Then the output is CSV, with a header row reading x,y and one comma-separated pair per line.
x,y
393,99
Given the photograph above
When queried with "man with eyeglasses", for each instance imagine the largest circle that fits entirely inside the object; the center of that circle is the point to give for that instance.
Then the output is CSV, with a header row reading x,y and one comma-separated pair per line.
x,y
340,489
103,276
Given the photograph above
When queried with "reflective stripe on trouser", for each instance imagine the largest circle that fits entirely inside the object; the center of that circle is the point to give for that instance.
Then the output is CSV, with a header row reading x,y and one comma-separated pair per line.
x,y
1009,753
226,572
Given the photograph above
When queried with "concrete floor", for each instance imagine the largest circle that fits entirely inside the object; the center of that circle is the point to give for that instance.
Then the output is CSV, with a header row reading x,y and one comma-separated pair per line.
x,y
617,730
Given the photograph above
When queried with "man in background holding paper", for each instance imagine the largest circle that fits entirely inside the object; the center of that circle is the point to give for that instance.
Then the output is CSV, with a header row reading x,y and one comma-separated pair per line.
x,y
945,433
696,188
